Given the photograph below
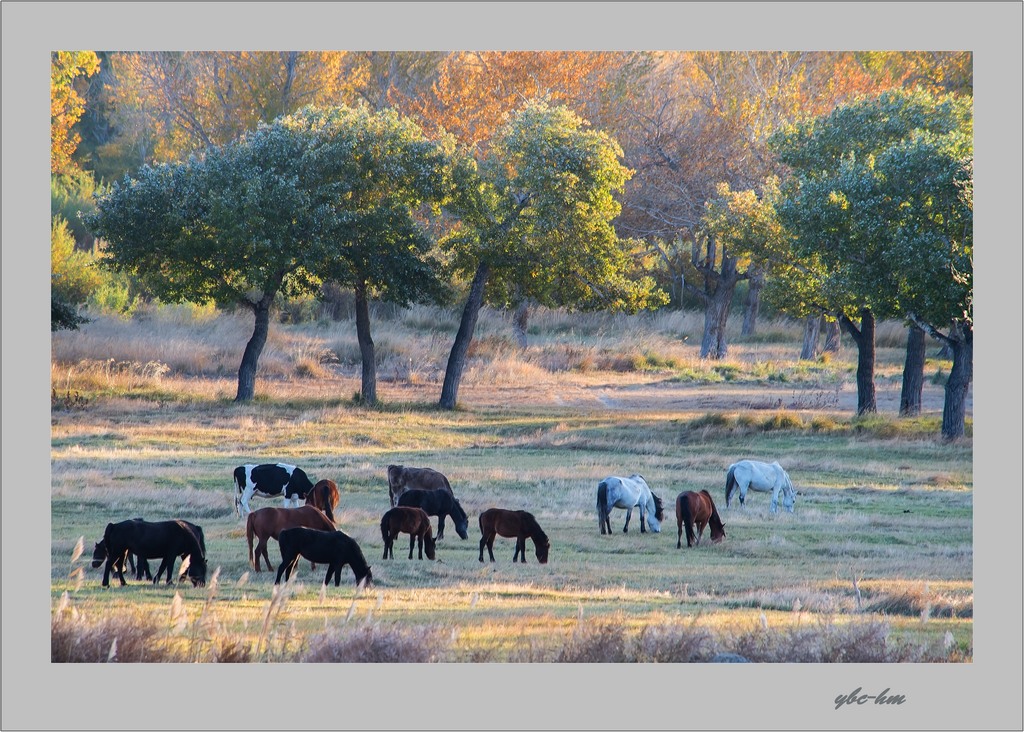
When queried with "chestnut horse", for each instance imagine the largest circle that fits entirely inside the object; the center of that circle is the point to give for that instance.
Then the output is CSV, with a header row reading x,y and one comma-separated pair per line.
x,y
513,525
267,523
407,520
697,509
324,496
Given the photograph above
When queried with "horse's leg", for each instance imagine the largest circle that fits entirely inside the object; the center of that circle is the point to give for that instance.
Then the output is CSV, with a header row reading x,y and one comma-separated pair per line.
x,y
106,571
483,540
521,541
679,535
774,507
625,526
412,544
440,526
643,517
490,544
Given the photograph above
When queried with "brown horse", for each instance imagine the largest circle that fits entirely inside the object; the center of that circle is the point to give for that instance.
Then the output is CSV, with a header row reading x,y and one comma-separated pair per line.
x,y
697,509
267,523
324,496
513,525
407,520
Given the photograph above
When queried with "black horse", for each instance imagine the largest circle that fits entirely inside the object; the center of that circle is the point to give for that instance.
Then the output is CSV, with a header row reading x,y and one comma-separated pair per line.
x,y
165,540
333,548
139,566
440,504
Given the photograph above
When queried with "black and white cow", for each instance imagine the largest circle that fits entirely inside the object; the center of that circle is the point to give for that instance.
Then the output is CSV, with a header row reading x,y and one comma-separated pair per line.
x,y
272,479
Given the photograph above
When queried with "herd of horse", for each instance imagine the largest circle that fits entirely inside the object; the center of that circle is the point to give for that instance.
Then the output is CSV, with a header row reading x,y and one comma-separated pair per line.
x,y
310,531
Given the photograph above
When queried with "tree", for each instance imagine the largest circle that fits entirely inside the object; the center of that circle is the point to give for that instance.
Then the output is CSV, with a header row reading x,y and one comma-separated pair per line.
x,y
67,104
234,227
535,221
377,182
926,190
73,277
169,104
841,210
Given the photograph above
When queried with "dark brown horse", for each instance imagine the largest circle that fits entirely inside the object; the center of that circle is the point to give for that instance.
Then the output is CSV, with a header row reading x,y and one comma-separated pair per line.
x,y
268,523
407,520
324,496
516,525
697,509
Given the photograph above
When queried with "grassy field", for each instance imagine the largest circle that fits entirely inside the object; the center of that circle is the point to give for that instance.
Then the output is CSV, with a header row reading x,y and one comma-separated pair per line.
x,y
875,564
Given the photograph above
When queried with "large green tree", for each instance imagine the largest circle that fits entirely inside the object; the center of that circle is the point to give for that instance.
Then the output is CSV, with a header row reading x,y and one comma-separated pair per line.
x,y
848,206
536,223
378,185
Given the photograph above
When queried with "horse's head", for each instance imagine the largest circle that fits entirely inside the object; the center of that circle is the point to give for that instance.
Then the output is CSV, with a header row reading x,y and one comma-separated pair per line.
x,y
461,521
366,580
430,547
542,545
197,570
99,554
788,493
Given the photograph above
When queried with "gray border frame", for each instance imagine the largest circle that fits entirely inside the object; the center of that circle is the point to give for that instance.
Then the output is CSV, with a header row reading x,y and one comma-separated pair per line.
x,y
38,695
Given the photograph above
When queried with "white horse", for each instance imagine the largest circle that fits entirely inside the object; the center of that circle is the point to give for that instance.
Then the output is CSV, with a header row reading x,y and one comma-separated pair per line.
x,y
758,476
627,493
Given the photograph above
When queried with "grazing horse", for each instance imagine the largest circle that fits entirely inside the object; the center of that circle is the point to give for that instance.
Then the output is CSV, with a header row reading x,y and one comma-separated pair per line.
x,y
401,479
513,525
272,479
139,565
164,539
697,509
324,496
409,520
333,548
268,523
440,504
99,556
758,476
627,493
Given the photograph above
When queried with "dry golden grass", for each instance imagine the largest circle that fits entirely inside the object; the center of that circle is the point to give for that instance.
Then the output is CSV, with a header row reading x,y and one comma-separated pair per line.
x,y
883,500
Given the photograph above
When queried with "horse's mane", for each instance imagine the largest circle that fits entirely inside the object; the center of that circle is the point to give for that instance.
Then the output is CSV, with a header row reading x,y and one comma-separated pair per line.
x,y
659,507
534,529
459,509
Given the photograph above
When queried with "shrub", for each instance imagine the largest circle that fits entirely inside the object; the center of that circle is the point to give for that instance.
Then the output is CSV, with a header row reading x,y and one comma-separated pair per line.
x,y
782,421
379,644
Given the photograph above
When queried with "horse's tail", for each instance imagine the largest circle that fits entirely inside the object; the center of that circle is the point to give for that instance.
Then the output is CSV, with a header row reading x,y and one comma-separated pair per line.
x,y
250,530
602,502
384,529
687,521
730,483
325,499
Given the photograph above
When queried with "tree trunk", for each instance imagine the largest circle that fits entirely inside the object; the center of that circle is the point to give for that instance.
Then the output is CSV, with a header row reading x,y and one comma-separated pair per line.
x,y
812,328
865,340
752,305
913,373
457,357
833,336
253,349
520,322
716,314
369,385
955,406
716,311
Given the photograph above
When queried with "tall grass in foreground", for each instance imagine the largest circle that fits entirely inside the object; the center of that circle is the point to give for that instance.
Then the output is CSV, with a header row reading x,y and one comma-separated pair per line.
x,y
134,638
